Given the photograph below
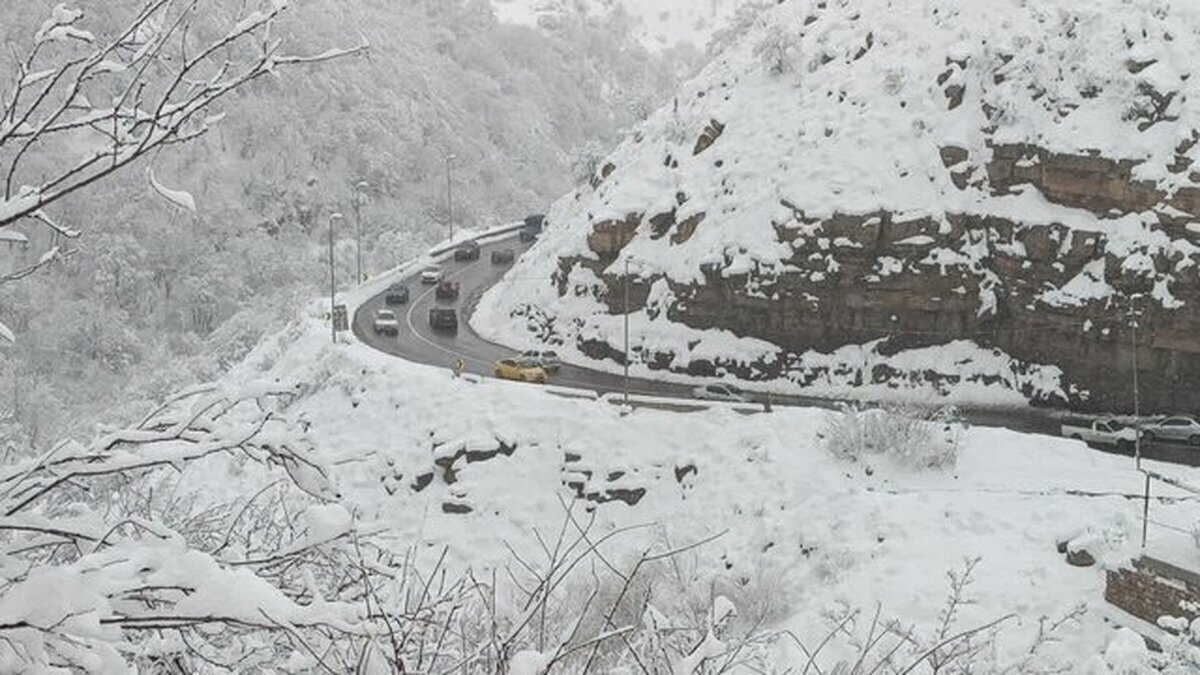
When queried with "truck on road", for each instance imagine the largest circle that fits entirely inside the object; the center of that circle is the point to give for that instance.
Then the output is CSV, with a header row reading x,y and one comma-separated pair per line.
x,y
1100,432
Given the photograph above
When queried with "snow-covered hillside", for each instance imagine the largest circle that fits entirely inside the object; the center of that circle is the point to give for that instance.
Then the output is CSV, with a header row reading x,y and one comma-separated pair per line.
x,y
659,24
1001,175
354,462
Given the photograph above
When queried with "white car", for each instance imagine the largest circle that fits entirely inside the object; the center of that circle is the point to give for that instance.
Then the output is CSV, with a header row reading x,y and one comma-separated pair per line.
x,y
1183,429
386,322
547,360
721,392
432,275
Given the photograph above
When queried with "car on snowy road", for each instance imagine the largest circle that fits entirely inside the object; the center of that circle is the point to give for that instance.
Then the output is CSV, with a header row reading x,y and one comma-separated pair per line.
x,y
721,392
386,322
504,256
511,369
532,228
447,290
443,320
432,275
397,294
1183,429
546,360
467,251
1100,432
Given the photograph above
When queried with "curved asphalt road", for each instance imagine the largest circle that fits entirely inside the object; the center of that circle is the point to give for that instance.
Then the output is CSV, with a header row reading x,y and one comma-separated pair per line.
x,y
419,343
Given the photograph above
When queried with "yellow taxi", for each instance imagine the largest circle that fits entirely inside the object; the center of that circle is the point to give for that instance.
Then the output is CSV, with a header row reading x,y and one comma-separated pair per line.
x,y
511,369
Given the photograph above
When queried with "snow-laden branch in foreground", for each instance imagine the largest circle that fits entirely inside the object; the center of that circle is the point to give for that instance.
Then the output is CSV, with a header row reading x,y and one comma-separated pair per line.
x,y
167,87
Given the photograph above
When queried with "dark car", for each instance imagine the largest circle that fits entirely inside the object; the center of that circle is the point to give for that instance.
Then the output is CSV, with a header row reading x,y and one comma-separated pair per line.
x,y
443,320
447,290
504,256
533,227
397,294
467,251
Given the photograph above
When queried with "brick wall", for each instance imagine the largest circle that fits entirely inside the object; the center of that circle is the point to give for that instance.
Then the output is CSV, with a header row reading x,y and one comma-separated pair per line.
x,y
1152,589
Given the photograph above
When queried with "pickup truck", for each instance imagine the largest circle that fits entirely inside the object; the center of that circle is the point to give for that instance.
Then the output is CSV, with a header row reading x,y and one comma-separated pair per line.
x,y
1100,432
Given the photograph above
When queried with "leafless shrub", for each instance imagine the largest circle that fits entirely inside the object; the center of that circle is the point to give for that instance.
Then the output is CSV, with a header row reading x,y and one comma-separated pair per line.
x,y
916,438
880,646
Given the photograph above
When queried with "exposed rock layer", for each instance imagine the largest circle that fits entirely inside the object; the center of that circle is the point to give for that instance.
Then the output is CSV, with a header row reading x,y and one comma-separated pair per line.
x,y
943,271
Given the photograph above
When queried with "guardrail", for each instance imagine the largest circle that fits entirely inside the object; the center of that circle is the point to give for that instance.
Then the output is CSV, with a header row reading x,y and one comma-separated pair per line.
x,y
448,247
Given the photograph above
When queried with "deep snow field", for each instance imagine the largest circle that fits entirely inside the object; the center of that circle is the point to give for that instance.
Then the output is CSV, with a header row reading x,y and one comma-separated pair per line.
x,y
810,532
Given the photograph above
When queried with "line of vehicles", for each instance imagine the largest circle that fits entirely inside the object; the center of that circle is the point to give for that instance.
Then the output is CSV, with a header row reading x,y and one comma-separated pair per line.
x,y
441,319
1121,434
538,366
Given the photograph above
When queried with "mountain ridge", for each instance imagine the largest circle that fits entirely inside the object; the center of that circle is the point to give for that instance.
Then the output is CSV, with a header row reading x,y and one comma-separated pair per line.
x,y
869,176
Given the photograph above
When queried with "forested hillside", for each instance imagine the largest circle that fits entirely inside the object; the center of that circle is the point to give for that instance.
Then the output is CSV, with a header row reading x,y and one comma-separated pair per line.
x,y
157,296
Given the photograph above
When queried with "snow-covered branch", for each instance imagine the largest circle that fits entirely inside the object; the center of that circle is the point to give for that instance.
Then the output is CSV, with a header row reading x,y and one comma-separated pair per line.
x,y
168,85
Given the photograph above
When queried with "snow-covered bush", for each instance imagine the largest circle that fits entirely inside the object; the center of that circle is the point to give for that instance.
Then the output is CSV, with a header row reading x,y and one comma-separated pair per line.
x,y
747,16
923,439
585,162
1127,653
1180,655
778,50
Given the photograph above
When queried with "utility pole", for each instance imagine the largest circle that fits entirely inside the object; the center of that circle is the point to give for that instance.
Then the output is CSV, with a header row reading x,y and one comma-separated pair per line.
x,y
332,279
450,196
626,307
358,188
1137,407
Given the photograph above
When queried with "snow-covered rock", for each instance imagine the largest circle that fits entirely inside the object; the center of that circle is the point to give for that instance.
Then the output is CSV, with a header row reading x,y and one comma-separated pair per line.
x,y
852,173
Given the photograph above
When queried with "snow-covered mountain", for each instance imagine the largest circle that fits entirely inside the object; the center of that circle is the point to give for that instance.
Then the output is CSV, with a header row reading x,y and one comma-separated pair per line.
x,y
856,181
658,24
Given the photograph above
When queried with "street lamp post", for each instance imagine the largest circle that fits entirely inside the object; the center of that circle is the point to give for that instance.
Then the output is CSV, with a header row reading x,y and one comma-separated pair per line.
x,y
332,279
1137,407
358,190
450,196
626,308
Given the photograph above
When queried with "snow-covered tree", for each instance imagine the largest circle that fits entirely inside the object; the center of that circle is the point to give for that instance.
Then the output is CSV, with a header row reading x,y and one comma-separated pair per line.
x,y
84,106
778,49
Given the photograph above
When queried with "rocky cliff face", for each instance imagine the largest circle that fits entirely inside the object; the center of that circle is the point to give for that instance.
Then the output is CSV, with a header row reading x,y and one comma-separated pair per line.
x,y
1054,294
1039,198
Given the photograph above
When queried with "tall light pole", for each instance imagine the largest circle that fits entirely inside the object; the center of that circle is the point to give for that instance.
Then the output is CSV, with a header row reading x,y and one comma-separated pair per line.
x,y
332,279
626,308
450,196
358,191
1137,407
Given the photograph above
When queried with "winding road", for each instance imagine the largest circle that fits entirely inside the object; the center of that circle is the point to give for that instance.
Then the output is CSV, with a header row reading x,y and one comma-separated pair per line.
x,y
419,343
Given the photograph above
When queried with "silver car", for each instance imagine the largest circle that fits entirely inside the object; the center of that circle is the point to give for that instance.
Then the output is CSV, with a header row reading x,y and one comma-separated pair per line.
x,y
1173,429
547,360
721,392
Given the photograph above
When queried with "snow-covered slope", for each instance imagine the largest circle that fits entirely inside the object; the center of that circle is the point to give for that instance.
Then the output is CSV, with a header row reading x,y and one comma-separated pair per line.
x,y
337,449
937,171
659,24
432,461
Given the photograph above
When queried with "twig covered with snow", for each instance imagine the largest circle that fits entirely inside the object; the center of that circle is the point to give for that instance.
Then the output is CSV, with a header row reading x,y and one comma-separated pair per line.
x,y
166,83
